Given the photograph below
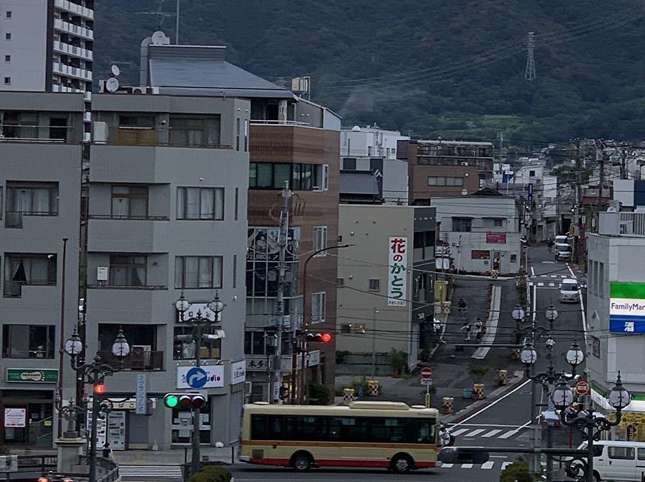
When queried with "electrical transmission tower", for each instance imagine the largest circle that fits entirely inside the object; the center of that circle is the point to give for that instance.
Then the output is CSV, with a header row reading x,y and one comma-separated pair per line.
x,y
529,72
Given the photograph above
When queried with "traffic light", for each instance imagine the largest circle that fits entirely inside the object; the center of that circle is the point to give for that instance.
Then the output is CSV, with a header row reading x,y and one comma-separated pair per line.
x,y
184,401
324,337
98,388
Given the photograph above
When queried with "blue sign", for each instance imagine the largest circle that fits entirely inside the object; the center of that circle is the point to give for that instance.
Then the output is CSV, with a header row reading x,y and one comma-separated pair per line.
x,y
627,325
196,377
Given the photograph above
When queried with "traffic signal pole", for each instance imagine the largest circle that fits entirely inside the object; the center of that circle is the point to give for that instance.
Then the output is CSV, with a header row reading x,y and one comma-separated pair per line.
x,y
196,442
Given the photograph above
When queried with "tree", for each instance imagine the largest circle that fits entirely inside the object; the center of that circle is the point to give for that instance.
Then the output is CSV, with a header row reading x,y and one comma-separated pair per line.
x,y
518,471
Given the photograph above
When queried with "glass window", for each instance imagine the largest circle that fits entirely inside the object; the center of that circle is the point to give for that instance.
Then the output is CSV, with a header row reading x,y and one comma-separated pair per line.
x,y
349,164
28,269
185,350
128,271
191,131
137,120
30,199
641,454
374,284
307,177
281,174
318,307
264,175
28,341
129,202
621,453
253,174
455,181
196,272
462,225
320,239
206,203
296,177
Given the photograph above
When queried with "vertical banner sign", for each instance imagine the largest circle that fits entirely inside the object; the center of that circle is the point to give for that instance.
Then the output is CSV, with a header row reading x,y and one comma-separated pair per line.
x,y
397,271
142,396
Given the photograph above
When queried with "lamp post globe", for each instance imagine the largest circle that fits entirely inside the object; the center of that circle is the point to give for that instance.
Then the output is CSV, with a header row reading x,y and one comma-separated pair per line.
x,y
518,313
182,304
528,355
575,356
551,313
216,305
120,347
619,397
562,395
74,345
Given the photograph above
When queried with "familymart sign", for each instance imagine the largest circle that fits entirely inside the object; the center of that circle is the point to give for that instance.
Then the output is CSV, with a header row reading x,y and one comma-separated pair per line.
x,y
627,307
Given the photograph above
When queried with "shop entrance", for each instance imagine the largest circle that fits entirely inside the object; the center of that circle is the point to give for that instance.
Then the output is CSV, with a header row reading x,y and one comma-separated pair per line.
x,y
37,422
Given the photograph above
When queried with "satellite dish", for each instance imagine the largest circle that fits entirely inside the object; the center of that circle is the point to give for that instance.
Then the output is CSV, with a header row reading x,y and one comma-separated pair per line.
x,y
160,38
112,85
116,71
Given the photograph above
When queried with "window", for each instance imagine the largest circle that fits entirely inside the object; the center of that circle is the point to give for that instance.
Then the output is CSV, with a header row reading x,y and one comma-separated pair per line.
x,y
128,271
318,307
129,202
30,199
7,36
494,222
301,177
137,120
196,272
531,173
374,284
7,80
442,181
191,131
185,350
340,282
595,346
349,164
194,203
320,239
513,258
237,134
28,341
8,14
254,343
462,225
246,135
237,203
641,454
7,58
28,270
621,453
601,279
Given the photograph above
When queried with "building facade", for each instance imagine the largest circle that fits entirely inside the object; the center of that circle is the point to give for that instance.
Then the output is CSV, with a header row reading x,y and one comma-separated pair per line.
x,y
615,318
40,179
384,304
482,232
445,168
46,45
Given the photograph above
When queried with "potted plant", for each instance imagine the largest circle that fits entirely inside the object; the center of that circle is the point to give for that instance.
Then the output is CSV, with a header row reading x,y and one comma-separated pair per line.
x,y
398,362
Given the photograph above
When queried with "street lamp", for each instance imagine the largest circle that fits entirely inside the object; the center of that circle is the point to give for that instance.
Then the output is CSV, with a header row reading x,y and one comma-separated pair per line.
x,y
94,373
528,356
551,315
518,314
199,322
301,341
575,356
587,422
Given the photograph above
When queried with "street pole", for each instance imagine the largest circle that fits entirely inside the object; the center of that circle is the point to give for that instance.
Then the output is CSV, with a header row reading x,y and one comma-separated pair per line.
x,y
590,477
93,430
196,442
177,23
61,348
374,311
549,459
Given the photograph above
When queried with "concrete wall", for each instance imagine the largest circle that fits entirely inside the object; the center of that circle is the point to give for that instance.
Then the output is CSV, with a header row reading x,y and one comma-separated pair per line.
x,y
27,47
395,181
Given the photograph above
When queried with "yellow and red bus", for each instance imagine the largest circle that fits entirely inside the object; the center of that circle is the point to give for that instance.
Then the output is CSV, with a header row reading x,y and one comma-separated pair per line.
x,y
389,435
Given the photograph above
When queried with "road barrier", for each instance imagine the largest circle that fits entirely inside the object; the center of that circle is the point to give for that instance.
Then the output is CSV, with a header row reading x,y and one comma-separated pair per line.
x,y
502,377
447,405
349,395
373,388
478,391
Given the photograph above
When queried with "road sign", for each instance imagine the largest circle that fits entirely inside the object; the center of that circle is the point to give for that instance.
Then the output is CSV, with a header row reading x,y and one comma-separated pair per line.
x,y
582,387
196,377
426,376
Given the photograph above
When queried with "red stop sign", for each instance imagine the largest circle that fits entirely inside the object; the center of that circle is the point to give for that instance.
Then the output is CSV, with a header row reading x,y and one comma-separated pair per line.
x,y
582,387
426,373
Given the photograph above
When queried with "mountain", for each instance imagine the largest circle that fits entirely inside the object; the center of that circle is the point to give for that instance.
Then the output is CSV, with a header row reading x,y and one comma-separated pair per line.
x,y
450,68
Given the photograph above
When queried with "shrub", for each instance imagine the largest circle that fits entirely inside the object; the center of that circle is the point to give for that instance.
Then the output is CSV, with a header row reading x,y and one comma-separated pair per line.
x,y
319,394
518,471
478,372
212,473
398,361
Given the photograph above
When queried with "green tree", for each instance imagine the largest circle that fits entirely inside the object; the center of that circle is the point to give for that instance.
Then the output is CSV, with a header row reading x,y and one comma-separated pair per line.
x,y
518,471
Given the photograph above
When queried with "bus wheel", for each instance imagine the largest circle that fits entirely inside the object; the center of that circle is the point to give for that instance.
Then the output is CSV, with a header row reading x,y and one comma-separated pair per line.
x,y
301,461
402,464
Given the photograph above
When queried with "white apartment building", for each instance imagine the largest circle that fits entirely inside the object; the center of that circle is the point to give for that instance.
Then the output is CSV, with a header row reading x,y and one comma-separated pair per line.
x,y
46,45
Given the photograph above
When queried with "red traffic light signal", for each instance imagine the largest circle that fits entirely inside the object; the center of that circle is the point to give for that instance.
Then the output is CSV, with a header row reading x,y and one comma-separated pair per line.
x,y
99,388
324,337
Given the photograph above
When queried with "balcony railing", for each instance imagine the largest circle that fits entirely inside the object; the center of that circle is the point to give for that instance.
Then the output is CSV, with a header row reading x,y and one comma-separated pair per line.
x,y
148,136
73,50
480,163
108,286
71,71
73,29
259,122
13,289
145,361
128,218
13,219
74,8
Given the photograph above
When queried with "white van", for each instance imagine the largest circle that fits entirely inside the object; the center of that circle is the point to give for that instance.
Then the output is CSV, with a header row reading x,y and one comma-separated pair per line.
x,y
617,460
569,291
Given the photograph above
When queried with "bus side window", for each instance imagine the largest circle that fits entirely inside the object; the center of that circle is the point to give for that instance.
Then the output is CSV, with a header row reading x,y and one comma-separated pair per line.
x,y
259,427
425,432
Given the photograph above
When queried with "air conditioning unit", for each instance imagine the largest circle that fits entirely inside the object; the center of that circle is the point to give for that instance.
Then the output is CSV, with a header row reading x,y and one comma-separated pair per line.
x,y
102,273
100,132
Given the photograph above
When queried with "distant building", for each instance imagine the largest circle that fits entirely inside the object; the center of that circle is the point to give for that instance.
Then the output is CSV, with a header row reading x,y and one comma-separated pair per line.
x,y
615,318
445,168
370,170
482,231
375,310
46,45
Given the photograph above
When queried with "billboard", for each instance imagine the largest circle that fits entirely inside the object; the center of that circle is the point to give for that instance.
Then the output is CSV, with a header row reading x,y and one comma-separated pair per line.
x,y
397,275
626,307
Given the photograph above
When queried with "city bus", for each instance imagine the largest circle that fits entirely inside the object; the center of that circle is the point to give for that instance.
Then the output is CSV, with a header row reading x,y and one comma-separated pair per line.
x,y
388,435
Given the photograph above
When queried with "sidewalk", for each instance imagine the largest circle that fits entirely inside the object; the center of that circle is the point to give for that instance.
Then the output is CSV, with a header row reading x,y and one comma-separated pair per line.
x,y
223,455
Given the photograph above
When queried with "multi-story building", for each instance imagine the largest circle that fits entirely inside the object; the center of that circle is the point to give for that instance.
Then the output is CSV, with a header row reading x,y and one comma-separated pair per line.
x,y
384,303
482,232
615,315
445,168
167,216
370,170
40,179
46,45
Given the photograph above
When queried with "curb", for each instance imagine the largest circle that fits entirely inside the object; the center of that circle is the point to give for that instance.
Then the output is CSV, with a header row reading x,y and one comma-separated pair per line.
x,y
494,395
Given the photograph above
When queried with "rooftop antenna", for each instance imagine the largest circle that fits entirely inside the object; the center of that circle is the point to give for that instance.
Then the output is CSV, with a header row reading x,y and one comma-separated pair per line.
x,y
529,72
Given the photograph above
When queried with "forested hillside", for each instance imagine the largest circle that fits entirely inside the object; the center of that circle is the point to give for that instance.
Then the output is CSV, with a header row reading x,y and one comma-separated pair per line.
x,y
451,68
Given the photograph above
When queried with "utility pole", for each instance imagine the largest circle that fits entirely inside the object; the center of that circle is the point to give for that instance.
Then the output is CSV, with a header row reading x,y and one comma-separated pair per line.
x,y
374,312
529,72
600,159
576,203
276,375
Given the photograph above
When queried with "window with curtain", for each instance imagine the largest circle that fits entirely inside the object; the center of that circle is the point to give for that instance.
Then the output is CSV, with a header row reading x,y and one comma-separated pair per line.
x,y
28,341
194,131
205,203
28,269
195,272
128,271
30,199
129,202
318,307
320,239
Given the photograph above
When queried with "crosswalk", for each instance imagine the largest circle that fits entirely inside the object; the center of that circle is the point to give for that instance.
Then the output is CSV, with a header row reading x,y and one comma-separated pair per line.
x,y
490,465
551,280
145,473
489,432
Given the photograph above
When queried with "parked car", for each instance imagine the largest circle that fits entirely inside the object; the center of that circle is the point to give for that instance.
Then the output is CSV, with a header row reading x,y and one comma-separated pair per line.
x,y
562,252
618,460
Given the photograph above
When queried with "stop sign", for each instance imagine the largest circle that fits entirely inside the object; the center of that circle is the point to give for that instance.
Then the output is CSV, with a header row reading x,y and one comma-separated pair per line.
x,y
582,387
426,373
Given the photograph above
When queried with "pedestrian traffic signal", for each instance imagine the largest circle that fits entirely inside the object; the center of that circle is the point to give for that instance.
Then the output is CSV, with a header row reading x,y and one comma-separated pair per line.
x,y
325,338
184,401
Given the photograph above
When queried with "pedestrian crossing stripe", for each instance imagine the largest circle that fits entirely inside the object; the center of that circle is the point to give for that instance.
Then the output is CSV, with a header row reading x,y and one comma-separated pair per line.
x,y
488,465
460,431
475,432
492,433
487,432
